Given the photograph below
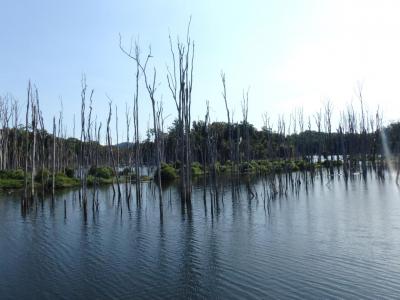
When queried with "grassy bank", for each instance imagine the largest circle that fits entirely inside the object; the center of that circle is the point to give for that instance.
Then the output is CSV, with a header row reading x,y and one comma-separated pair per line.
x,y
15,179
170,172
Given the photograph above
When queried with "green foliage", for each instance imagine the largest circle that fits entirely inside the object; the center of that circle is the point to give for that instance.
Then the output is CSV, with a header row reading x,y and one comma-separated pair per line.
x,y
69,172
63,181
302,165
42,175
91,180
246,167
168,173
222,168
12,174
177,164
197,169
11,183
101,172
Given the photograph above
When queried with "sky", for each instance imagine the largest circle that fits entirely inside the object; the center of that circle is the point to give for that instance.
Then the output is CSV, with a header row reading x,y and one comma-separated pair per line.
x,y
288,53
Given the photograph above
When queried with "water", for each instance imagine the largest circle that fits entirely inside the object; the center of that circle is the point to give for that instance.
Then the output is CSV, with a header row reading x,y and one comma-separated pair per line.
x,y
335,240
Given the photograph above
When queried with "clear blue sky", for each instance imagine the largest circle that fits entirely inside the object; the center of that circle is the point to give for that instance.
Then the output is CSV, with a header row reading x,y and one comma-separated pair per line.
x,y
290,53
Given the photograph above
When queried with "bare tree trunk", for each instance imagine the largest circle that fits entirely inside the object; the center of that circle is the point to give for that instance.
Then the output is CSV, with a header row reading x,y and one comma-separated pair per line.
x,y
15,141
183,98
136,58
245,112
129,163
116,132
27,138
111,150
54,158
230,137
318,118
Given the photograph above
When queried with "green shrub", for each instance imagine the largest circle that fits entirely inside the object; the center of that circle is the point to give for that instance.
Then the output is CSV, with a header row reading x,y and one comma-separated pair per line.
x,y
177,165
222,168
69,172
63,181
12,174
42,174
197,169
302,165
246,167
168,173
11,183
102,172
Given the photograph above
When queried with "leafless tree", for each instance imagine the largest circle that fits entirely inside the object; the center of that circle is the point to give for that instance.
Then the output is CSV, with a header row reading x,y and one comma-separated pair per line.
x,y
318,122
29,99
54,157
109,143
328,129
136,57
129,162
224,96
245,114
182,94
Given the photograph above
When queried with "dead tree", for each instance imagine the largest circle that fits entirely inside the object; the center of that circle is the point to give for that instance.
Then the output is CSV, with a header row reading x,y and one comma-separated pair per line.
x,y
54,158
328,129
352,131
42,136
83,163
363,132
34,125
245,113
109,143
129,162
136,138
341,133
206,154
182,94
117,135
29,97
15,157
224,96
318,121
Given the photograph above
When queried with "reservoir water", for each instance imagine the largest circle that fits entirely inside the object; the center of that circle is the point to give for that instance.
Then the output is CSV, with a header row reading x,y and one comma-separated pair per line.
x,y
333,238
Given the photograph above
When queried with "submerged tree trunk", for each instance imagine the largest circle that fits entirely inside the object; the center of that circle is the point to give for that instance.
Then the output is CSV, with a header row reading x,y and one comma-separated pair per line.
x,y
111,151
27,139
54,157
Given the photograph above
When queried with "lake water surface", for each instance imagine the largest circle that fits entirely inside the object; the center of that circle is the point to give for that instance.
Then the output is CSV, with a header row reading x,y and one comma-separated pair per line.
x,y
331,240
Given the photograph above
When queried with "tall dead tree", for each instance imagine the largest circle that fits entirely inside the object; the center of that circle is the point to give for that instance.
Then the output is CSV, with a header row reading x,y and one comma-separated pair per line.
x,y
29,98
182,61
151,88
34,125
363,131
16,152
53,175
136,138
318,121
109,143
129,161
117,135
224,96
245,113
42,136
328,129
